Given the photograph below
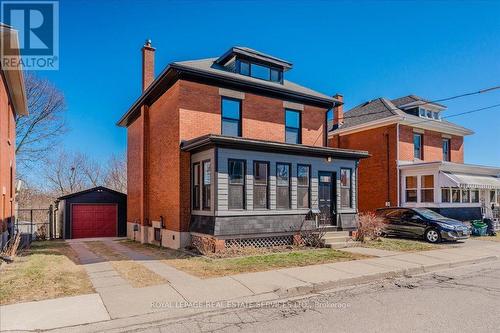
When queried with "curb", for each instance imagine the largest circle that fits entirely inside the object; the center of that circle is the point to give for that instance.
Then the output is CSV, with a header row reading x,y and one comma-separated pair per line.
x,y
318,287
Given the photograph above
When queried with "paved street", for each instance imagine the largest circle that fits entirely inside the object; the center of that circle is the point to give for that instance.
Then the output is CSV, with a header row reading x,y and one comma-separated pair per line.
x,y
465,299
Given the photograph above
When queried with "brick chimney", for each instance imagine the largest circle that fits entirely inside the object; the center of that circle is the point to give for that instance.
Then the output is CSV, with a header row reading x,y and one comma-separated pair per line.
x,y
148,64
338,111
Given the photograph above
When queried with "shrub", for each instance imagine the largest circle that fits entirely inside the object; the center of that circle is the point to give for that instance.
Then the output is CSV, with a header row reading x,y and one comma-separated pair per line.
x,y
369,226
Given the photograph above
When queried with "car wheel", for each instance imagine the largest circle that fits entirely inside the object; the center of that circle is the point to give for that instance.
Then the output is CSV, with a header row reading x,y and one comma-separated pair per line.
x,y
432,236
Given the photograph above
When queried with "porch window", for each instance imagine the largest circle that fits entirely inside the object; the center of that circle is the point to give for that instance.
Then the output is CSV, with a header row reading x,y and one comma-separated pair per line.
x,y
465,196
231,116
196,186
417,146
498,197
492,196
474,196
345,188
260,185
236,195
445,195
292,126
455,195
282,186
303,183
427,188
207,182
411,189
446,150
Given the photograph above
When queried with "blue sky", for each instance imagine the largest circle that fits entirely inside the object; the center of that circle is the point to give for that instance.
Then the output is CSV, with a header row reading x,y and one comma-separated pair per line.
x,y
363,50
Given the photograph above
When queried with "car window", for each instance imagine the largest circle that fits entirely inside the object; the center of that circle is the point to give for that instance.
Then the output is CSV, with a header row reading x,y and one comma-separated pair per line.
x,y
395,213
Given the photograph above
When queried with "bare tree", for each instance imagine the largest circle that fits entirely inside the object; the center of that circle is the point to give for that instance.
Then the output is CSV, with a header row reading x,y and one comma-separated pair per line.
x,y
37,133
64,173
92,171
116,174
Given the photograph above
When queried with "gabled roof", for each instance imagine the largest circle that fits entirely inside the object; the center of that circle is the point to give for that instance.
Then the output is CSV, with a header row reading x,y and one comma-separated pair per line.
x,y
382,110
370,111
98,188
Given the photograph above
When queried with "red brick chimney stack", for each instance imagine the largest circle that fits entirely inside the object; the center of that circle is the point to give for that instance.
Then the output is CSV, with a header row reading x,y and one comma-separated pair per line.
x,y
148,64
338,110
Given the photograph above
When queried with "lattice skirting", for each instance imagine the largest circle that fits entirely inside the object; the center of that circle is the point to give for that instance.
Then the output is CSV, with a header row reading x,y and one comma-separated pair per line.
x,y
260,242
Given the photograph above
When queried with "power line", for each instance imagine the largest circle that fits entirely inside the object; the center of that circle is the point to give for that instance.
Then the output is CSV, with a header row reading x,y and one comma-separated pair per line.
x,y
482,91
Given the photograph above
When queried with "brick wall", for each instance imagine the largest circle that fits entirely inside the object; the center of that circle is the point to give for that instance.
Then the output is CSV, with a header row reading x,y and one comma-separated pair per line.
x,y
7,157
432,142
378,173
186,111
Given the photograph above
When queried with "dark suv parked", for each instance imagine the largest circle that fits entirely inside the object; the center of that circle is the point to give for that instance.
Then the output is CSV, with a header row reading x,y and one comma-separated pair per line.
x,y
422,223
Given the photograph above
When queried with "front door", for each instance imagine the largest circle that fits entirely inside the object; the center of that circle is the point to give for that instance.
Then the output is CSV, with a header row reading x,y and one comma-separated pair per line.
x,y
327,202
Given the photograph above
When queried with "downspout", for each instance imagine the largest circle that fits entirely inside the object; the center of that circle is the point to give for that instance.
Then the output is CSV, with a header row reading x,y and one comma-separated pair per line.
x,y
388,198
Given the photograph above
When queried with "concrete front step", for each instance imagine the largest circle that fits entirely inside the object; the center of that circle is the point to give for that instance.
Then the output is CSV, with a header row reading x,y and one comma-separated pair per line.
x,y
340,245
337,239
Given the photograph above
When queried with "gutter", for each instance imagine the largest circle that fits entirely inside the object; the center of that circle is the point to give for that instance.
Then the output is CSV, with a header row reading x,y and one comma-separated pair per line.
x,y
330,102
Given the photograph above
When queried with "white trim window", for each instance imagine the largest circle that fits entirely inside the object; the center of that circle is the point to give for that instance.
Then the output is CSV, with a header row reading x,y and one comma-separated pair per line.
x,y
411,188
427,188
445,194
474,196
465,195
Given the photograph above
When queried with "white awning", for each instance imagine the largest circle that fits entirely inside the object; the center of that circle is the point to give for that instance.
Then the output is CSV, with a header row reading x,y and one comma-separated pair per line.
x,y
450,179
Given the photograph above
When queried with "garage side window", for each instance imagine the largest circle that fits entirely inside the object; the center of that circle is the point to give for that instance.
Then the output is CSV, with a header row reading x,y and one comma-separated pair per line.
x,y
207,182
196,185
411,189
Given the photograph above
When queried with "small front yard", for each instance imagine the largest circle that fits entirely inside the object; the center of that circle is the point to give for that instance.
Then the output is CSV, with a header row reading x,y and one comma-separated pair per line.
x,y
261,260
400,245
49,269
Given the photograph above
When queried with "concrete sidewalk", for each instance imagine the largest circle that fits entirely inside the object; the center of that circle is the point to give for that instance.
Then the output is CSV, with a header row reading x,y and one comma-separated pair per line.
x,y
184,293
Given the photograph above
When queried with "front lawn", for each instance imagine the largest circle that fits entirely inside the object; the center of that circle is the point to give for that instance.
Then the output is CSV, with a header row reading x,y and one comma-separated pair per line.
x,y
400,245
49,269
489,238
206,267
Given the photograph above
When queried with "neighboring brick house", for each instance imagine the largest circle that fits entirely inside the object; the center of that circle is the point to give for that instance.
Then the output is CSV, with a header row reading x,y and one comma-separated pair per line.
x,y
227,147
417,158
12,104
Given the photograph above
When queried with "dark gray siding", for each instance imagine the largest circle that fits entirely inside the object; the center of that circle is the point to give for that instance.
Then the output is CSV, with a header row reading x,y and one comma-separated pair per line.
x,y
96,197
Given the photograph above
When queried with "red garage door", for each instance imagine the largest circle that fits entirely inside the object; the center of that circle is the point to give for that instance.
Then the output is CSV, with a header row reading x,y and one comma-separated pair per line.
x,y
93,220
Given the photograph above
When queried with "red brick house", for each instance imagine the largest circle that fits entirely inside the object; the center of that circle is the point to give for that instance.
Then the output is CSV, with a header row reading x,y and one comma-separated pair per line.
x,y
228,147
417,158
12,104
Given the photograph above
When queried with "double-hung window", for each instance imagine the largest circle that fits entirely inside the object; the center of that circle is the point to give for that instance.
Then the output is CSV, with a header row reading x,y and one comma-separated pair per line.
x,y
231,116
445,194
427,188
345,188
303,185
207,183
417,146
236,194
455,195
446,150
196,186
411,188
282,186
474,195
292,126
260,185
465,196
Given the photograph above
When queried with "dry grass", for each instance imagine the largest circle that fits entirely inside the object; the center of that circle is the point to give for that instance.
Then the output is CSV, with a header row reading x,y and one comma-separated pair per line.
x,y
48,270
206,267
138,275
400,245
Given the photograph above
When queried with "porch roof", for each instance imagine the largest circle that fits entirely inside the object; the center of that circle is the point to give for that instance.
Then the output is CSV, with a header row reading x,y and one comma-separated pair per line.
x,y
450,179
211,140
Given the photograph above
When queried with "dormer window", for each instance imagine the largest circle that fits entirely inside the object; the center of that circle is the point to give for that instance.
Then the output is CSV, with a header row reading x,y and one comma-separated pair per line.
x,y
425,113
259,71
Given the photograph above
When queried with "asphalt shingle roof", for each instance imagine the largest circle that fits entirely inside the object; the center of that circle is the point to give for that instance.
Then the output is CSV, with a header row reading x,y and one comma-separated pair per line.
x,y
209,65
